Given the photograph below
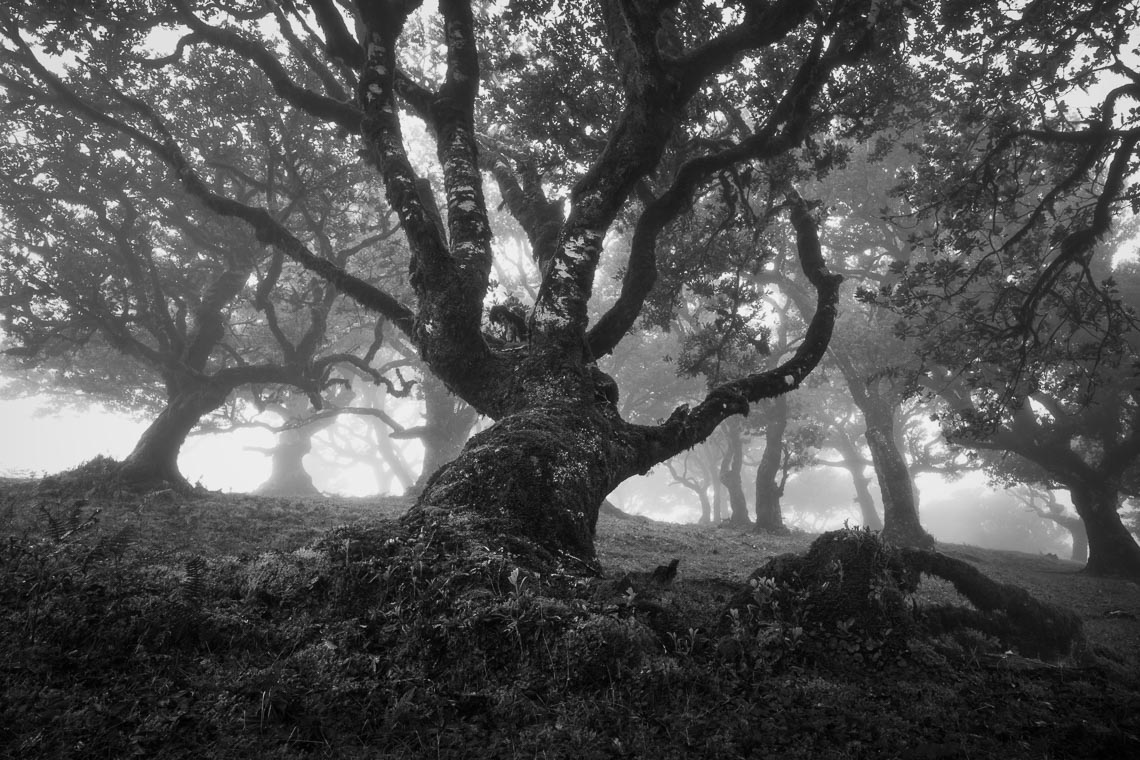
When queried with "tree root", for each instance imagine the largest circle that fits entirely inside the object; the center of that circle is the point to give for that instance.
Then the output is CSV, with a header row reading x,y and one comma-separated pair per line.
x,y
1007,612
851,580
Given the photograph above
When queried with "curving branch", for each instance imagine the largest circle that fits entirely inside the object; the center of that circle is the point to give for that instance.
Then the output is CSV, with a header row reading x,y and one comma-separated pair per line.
x,y
540,218
328,79
342,46
360,411
338,112
785,127
687,427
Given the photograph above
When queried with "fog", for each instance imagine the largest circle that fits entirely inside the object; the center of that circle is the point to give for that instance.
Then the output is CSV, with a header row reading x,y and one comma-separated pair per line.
x,y
42,438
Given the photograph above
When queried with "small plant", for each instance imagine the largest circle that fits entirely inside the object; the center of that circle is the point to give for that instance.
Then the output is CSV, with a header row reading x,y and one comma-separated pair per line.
x,y
60,530
194,584
518,580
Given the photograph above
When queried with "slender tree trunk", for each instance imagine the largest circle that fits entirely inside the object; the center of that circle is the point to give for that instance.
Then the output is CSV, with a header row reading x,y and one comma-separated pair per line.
x,y
900,516
769,489
730,475
717,502
154,460
390,456
855,465
706,507
448,423
1111,549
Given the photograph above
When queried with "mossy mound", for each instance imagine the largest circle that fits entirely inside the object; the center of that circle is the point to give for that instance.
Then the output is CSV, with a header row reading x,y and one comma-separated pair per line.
x,y
847,595
856,595
102,477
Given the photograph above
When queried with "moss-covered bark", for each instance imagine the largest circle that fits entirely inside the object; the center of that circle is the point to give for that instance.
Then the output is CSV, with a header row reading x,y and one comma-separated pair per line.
x,y
1035,628
541,474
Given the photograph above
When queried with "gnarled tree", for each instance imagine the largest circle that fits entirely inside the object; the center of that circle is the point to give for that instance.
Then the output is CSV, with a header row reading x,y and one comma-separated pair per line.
x,y
559,445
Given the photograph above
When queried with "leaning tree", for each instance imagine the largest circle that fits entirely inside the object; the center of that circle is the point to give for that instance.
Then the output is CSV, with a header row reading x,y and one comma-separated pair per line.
x,y
588,145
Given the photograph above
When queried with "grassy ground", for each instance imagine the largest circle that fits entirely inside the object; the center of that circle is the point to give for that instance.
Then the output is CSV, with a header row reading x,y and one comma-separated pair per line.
x,y
236,626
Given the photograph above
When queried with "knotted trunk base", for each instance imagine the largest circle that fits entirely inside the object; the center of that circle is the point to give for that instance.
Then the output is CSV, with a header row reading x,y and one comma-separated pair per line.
x,y
540,475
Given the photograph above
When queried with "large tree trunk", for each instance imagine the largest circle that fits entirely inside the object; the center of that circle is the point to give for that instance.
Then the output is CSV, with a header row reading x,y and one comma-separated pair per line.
x,y
730,476
769,487
1111,549
901,525
154,460
854,463
288,476
539,474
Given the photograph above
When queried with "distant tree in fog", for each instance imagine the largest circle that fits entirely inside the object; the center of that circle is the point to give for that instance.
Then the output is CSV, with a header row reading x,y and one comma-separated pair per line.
x,y
110,285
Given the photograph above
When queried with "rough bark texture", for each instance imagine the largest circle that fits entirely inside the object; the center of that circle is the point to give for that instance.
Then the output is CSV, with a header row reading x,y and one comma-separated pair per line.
x,y
769,484
542,473
558,447
542,470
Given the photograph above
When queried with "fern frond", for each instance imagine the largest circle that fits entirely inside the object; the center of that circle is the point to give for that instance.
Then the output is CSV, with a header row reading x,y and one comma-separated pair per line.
x,y
194,584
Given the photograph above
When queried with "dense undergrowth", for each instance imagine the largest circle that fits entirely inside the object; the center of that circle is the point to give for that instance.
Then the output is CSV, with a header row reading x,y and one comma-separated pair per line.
x,y
388,640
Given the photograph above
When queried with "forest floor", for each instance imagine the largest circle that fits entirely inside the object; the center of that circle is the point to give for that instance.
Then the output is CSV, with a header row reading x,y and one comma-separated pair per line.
x,y
219,625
